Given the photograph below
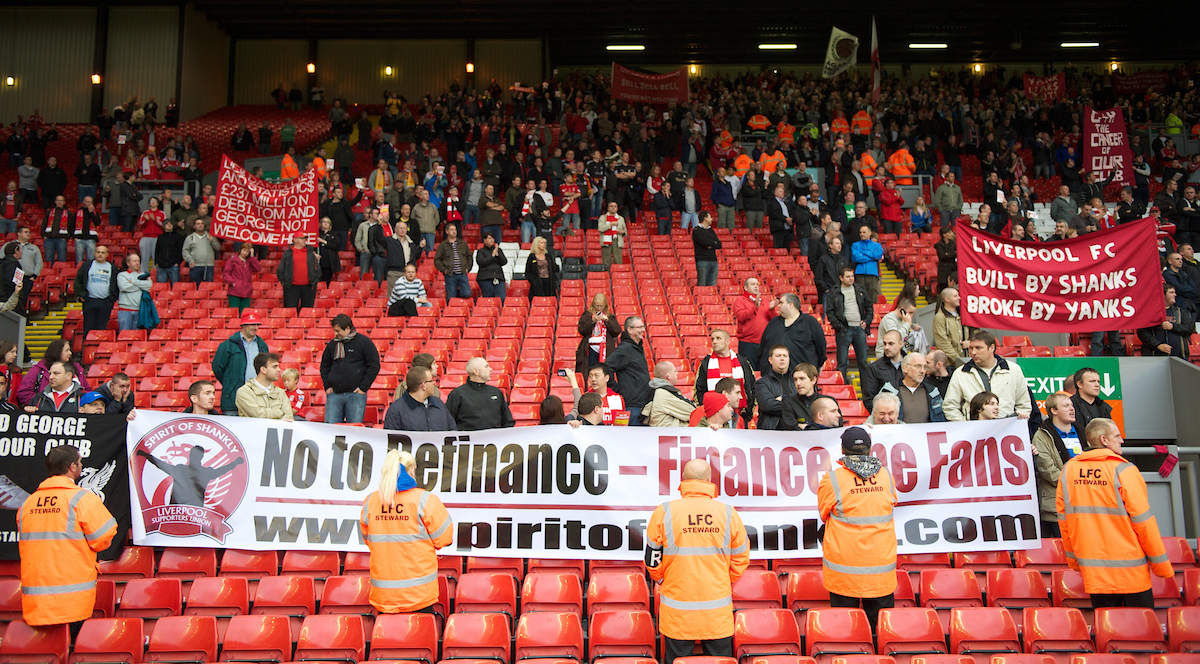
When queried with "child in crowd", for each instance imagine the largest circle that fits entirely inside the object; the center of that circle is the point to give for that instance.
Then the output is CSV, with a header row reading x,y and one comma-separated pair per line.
x,y
295,395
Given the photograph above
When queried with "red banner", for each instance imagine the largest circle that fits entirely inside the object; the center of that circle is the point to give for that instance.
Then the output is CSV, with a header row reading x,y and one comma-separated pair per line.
x,y
1046,87
631,85
1106,145
1143,81
1107,280
260,212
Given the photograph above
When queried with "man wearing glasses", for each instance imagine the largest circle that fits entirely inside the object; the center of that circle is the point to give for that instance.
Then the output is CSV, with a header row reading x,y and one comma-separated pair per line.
x,y
419,408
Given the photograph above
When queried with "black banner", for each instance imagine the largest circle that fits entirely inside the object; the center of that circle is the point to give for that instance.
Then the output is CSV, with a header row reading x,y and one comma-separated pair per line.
x,y
26,438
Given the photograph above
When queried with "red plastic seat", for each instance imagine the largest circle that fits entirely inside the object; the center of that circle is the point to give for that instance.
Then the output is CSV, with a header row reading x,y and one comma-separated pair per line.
x,y
1017,659
615,567
621,634
1183,629
1173,658
554,566
955,659
109,640
10,602
1104,658
805,591
549,635
1191,587
765,632
291,596
1179,552
1066,589
23,644
220,597
257,639
349,595
150,599
136,562
552,593
106,599
319,565
613,591
769,659
480,592
184,639
1056,631
332,638
1166,594
1016,588
1046,559
757,589
186,565
514,567
706,660
250,565
905,633
982,561
481,636
357,563
948,588
832,632
1129,631
983,630
406,636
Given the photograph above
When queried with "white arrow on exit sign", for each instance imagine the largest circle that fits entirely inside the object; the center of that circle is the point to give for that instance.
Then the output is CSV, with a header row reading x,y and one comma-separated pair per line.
x,y
1107,388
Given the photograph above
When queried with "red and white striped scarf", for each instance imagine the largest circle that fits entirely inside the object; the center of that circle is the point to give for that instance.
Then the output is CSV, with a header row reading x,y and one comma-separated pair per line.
x,y
726,367
612,402
599,340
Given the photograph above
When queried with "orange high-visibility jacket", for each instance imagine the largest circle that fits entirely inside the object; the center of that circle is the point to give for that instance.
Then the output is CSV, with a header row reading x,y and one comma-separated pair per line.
x,y
860,536
696,547
62,527
759,122
404,540
861,123
901,164
787,133
726,138
868,164
1107,529
288,169
322,171
772,161
839,125
741,165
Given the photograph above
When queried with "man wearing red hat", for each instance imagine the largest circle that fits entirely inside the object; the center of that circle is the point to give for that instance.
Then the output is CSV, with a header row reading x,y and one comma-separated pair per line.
x,y
233,364
713,413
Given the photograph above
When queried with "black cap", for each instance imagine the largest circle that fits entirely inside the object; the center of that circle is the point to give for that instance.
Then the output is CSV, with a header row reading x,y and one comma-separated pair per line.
x,y
856,440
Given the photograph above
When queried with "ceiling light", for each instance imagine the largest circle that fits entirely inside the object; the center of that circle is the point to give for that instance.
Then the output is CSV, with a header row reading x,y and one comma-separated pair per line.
x,y
625,47
978,67
776,47
1113,66
692,69
387,71
470,67
10,81
929,46
1079,44
95,79
312,68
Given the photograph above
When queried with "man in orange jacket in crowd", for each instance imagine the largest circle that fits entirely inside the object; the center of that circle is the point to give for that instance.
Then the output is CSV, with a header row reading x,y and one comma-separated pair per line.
x,y
856,500
62,527
902,165
288,170
696,548
1108,532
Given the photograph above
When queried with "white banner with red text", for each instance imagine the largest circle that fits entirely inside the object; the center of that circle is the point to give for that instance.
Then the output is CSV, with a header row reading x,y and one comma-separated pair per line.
x,y
558,492
253,210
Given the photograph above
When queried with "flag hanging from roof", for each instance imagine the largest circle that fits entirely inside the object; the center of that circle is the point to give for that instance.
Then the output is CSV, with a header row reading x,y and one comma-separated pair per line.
x,y
841,54
876,73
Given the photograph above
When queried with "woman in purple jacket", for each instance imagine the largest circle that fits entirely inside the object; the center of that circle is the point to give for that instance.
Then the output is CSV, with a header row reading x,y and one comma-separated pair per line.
x,y
38,376
238,273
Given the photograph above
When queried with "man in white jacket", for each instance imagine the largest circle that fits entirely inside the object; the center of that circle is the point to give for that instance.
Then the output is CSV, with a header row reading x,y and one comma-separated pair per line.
x,y
987,372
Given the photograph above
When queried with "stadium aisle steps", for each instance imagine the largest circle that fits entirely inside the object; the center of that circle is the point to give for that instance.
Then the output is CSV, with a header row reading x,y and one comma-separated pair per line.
x,y
40,334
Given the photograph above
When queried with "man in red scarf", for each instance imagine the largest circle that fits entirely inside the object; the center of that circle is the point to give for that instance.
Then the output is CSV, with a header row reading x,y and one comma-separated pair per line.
x,y
752,318
724,363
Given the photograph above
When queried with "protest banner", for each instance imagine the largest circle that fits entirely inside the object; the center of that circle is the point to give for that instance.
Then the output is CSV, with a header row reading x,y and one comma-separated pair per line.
x,y
1141,82
26,439
841,53
253,210
1106,145
1047,375
557,492
636,86
1045,87
1107,280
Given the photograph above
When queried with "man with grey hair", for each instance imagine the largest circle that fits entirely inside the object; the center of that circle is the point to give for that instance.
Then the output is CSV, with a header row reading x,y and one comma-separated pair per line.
x,y
628,363
668,407
800,332
885,409
919,400
475,405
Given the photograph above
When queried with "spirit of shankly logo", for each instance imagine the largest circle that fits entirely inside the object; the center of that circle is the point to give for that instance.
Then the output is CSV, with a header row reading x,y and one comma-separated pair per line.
x,y
190,476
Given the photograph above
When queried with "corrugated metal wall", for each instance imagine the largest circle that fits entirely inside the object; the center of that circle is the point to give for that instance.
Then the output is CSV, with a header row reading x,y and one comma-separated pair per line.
x,y
59,86
264,64
143,47
507,62
355,69
205,66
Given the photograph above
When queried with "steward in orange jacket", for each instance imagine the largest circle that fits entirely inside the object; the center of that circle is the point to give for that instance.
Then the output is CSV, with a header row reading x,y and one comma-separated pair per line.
x,y
287,168
901,164
787,132
759,122
772,159
839,125
856,501
404,526
742,164
1107,529
696,547
62,528
861,123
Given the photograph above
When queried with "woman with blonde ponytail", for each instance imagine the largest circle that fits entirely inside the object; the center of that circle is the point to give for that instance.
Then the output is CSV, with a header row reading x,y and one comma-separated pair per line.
x,y
404,526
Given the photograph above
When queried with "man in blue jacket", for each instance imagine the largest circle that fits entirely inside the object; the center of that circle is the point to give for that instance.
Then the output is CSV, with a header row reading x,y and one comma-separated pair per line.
x,y
866,254
233,364
722,197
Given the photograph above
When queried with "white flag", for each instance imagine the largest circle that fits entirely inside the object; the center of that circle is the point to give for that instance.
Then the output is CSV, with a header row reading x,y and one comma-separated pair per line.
x,y
842,53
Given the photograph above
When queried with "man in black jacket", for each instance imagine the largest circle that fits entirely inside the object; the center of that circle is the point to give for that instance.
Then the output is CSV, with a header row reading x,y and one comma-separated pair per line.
x,y
781,217
475,405
850,319
773,387
349,365
87,176
628,363
96,287
491,261
884,371
705,244
1173,336
800,332
52,180
340,213
419,408
299,290
1087,401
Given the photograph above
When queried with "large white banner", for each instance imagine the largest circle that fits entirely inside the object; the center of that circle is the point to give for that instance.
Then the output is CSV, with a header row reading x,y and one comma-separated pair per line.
x,y
557,492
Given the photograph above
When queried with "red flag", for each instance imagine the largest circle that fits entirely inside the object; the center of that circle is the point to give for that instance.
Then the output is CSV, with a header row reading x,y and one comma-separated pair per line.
x,y
876,71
